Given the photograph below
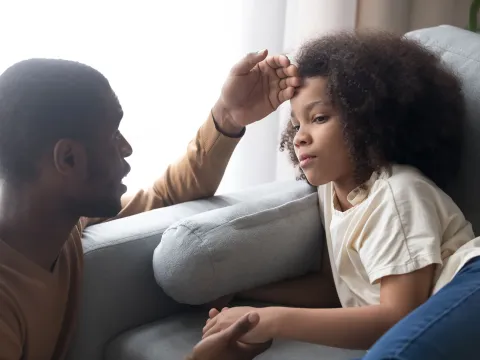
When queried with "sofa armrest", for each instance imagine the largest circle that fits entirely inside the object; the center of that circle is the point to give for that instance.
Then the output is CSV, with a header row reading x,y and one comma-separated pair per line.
x,y
119,289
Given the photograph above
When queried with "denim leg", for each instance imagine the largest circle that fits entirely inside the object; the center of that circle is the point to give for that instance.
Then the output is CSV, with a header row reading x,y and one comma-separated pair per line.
x,y
446,327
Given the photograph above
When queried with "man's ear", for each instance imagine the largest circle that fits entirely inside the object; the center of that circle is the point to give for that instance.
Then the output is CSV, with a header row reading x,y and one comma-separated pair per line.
x,y
70,158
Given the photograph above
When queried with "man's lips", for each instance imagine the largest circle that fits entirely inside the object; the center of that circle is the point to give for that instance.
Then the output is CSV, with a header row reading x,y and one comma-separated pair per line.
x,y
122,186
127,169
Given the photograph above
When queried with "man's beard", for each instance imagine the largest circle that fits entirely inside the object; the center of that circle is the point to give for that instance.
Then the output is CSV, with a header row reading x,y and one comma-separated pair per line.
x,y
102,206
104,202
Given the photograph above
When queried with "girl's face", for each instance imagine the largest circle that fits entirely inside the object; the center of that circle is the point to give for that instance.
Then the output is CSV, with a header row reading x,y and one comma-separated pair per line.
x,y
319,143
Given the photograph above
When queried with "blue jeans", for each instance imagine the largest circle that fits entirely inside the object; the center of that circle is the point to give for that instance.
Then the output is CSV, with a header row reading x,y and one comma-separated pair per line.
x,y
446,327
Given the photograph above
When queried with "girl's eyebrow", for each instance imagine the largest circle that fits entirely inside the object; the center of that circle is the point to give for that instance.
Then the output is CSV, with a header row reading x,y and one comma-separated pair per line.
x,y
310,106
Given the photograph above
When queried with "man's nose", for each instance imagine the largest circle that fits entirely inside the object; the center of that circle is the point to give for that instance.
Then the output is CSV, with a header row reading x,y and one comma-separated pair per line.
x,y
125,148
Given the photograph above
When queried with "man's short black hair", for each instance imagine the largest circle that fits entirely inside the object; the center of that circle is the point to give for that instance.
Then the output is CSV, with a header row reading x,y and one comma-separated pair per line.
x,y
397,101
41,102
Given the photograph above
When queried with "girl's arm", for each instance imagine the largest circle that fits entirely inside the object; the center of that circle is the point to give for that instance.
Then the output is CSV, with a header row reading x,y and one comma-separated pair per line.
x,y
316,290
309,291
354,328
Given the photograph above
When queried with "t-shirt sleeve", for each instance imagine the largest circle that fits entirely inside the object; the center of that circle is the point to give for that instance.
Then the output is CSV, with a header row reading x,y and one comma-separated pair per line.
x,y
403,230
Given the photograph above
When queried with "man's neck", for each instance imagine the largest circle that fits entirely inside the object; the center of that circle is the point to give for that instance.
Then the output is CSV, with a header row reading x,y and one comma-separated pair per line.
x,y
33,225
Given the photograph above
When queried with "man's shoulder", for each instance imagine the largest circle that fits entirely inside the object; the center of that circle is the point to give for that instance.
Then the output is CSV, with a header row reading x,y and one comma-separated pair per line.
x,y
8,300
11,314
12,329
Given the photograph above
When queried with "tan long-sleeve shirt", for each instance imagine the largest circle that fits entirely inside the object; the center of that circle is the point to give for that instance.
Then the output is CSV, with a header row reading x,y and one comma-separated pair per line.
x,y
38,307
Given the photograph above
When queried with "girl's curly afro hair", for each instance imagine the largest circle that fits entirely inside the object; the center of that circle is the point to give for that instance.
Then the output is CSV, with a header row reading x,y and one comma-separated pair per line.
x,y
397,101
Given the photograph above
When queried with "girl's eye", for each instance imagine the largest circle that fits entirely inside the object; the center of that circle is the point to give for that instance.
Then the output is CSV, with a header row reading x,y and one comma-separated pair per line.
x,y
320,119
295,127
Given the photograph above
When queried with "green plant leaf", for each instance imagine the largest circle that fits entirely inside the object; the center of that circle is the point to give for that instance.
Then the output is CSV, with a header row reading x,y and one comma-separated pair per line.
x,y
472,20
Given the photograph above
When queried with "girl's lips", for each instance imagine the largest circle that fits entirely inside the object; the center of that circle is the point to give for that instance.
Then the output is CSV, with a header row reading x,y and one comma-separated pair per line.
x,y
306,161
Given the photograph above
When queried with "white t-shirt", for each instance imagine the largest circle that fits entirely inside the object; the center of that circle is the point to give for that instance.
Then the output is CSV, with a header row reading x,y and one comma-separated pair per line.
x,y
400,222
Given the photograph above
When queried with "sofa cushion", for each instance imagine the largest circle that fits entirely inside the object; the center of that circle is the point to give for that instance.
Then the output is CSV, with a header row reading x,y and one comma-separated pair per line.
x,y
235,248
174,338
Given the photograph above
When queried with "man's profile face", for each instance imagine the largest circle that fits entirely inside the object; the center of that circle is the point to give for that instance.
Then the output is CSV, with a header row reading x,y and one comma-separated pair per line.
x,y
106,166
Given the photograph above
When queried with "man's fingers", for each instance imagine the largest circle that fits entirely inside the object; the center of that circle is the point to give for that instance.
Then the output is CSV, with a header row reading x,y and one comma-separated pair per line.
x,y
255,349
289,82
249,62
294,81
286,94
278,61
242,326
281,73
289,71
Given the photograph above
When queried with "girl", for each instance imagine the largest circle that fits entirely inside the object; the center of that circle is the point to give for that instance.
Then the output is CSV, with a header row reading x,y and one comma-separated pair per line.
x,y
376,126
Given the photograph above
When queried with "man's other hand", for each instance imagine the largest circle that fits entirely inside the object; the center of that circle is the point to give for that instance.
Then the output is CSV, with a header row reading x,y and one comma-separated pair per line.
x,y
225,345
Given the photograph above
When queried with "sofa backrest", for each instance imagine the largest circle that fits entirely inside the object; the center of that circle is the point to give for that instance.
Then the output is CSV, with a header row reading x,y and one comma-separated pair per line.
x,y
460,50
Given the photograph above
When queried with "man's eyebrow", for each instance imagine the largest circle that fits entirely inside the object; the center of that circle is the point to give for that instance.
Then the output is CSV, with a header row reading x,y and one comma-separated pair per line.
x,y
117,116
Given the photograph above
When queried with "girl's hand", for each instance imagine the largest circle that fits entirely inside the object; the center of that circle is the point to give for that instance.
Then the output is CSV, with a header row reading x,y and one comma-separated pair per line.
x,y
219,321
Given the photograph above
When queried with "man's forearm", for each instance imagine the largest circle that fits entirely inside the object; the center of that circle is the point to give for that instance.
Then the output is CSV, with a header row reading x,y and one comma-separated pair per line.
x,y
310,291
352,328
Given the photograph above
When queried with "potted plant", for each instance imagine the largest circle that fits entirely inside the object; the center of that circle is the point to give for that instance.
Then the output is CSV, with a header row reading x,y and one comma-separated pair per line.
x,y
473,16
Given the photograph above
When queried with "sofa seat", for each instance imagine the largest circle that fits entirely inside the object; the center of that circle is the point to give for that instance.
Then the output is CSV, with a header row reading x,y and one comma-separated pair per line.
x,y
173,338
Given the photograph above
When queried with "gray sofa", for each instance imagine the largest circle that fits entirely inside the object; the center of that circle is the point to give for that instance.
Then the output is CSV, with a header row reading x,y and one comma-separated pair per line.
x,y
125,315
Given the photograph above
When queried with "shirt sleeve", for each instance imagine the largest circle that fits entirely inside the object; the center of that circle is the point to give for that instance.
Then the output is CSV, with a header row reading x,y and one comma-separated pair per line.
x,y
10,333
403,230
197,174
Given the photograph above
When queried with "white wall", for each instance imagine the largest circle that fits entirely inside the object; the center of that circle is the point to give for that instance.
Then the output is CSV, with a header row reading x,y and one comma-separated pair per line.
x,y
255,159
306,19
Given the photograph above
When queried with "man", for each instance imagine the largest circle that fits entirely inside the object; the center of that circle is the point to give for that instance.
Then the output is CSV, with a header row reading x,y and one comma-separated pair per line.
x,y
62,160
